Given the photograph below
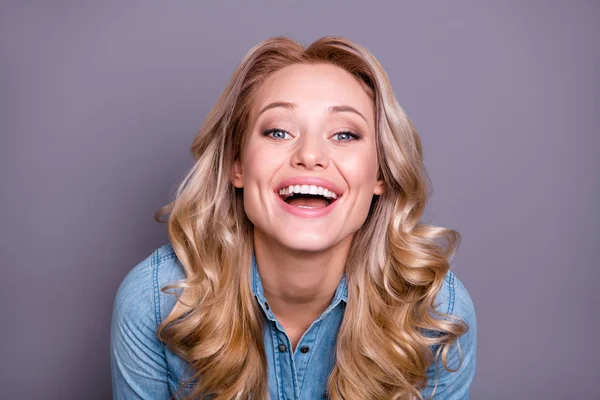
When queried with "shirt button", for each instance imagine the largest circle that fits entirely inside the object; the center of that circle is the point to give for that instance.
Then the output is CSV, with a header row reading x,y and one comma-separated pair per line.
x,y
282,348
266,305
304,349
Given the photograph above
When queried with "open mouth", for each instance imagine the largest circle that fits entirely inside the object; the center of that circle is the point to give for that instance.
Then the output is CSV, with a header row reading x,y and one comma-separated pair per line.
x,y
308,196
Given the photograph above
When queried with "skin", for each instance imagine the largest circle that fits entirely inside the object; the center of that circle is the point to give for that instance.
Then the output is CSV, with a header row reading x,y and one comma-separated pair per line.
x,y
301,260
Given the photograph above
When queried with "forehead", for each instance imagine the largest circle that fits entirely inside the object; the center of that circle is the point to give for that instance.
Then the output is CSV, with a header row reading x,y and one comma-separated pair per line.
x,y
314,85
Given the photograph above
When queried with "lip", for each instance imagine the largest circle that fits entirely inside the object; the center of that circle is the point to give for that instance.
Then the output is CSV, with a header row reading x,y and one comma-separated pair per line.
x,y
310,180
305,212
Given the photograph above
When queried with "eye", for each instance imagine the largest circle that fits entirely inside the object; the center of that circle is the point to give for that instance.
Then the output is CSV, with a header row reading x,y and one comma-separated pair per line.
x,y
347,136
276,133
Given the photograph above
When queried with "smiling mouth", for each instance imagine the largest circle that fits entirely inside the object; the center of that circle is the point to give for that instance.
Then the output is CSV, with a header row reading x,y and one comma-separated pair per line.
x,y
310,197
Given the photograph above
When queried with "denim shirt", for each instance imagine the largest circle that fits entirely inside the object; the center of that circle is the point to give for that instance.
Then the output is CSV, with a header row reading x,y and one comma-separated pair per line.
x,y
143,367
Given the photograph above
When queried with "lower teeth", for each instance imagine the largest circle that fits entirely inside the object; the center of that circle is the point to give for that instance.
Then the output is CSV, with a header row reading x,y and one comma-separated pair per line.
x,y
305,207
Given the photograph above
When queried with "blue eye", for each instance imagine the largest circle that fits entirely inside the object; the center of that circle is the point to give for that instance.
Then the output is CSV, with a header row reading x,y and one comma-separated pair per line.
x,y
348,136
280,133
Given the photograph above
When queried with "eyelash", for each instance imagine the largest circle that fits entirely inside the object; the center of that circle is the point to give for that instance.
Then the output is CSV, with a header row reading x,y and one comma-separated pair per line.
x,y
354,136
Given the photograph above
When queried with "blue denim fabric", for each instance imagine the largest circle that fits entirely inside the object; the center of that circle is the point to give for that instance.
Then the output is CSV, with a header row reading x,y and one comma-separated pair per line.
x,y
143,368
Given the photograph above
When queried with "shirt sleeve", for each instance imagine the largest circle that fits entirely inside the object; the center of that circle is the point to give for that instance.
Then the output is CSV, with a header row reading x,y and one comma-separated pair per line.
x,y
138,364
455,385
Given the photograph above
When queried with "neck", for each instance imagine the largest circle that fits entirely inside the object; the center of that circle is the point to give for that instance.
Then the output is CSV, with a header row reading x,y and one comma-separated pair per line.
x,y
299,285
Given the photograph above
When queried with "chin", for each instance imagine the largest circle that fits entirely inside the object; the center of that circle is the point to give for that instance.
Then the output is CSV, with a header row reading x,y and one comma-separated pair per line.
x,y
309,241
314,246
298,240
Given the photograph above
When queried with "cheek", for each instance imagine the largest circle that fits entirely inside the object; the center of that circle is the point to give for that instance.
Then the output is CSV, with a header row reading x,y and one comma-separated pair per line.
x,y
259,164
360,169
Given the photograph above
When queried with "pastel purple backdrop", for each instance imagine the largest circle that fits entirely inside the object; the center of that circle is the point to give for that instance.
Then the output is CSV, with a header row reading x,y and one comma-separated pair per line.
x,y
99,102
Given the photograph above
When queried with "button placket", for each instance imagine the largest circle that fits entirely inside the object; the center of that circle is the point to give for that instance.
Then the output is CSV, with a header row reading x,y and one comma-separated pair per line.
x,y
277,362
288,366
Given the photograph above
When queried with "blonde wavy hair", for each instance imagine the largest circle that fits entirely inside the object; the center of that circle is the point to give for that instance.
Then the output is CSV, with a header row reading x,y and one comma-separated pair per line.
x,y
384,344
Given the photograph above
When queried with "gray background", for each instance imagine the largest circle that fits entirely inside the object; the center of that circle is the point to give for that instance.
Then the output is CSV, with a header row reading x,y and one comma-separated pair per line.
x,y
99,103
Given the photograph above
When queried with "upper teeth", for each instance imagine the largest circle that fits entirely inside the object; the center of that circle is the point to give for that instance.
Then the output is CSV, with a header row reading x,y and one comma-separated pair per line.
x,y
307,189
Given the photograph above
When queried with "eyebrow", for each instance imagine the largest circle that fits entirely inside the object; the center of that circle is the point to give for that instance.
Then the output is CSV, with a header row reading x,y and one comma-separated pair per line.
x,y
332,109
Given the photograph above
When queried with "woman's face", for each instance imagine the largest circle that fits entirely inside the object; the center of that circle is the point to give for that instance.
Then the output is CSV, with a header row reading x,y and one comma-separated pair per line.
x,y
311,129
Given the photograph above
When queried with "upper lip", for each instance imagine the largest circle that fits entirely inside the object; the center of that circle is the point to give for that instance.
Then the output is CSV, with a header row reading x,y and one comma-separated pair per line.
x,y
309,180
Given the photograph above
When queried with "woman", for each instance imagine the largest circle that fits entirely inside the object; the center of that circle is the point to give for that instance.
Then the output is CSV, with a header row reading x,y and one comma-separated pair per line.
x,y
305,273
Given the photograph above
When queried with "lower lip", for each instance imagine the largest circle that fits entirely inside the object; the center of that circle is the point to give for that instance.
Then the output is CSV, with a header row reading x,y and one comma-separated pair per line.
x,y
306,212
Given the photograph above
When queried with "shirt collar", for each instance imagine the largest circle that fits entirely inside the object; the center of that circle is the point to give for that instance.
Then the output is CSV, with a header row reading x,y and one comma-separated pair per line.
x,y
341,292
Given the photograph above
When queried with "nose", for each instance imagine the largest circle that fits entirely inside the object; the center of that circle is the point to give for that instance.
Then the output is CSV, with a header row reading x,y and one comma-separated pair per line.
x,y
310,152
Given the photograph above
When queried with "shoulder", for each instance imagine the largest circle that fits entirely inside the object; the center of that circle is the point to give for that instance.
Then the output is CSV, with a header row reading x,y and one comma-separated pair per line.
x,y
142,367
454,299
140,291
